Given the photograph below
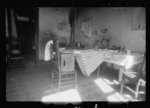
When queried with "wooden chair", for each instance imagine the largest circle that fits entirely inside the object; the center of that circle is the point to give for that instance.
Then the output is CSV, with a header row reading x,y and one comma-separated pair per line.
x,y
54,62
134,80
14,57
65,74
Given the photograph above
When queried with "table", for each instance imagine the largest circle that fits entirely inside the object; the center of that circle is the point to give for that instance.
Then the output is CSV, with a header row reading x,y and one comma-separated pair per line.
x,y
90,60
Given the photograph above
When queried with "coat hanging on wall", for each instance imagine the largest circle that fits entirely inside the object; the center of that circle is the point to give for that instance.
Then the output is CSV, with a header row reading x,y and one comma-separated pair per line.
x,y
86,28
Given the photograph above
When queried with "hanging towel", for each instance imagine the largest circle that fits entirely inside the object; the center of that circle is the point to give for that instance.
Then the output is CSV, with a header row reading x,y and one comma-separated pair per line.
x,y
47,56
89,28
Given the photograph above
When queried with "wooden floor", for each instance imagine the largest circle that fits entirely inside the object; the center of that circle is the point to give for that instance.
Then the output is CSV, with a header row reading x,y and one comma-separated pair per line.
x,y
34,82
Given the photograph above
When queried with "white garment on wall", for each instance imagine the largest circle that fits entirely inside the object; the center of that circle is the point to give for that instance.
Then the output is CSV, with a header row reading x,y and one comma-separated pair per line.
x,y
86,28
47,56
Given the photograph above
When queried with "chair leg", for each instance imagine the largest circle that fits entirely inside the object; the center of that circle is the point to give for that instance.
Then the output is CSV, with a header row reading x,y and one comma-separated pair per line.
x,y
120,75
136,95
52,75
98,72
52,80
137,89
76,80
122,85
59,79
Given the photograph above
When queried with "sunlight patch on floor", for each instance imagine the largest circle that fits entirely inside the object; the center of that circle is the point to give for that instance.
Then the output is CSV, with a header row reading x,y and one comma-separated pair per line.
x,y
108,82
103,86
128,96
116,82
116,97
66,96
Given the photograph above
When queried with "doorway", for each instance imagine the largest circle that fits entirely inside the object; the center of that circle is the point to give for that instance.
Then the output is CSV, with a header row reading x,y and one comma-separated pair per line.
x,y
26,29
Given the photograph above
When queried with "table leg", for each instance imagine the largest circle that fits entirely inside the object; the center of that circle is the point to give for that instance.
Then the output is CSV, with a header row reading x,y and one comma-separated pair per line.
x,y
120,75
98,71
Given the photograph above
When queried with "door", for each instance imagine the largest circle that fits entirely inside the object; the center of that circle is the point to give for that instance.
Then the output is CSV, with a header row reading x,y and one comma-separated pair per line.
x,y
25,23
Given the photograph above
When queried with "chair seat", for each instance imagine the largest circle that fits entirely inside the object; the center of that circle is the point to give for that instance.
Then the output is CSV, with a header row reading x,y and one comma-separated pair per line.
x,y
130,75
67,72
15,58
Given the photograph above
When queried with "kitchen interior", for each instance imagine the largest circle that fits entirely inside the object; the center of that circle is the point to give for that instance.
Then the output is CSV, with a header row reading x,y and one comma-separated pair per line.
x,y
76,54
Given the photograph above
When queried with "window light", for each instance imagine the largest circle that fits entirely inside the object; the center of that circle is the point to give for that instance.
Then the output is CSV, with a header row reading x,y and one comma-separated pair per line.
x,y
66,96
103,86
